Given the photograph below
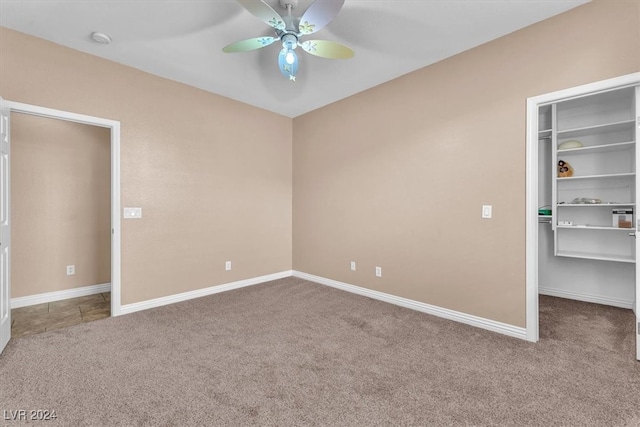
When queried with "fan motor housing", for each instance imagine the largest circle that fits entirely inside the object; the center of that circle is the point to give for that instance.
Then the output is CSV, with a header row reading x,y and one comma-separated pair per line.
x,y
285,3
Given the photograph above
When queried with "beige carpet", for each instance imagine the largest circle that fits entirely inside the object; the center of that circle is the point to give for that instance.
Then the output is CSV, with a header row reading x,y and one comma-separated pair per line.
x,y
291,352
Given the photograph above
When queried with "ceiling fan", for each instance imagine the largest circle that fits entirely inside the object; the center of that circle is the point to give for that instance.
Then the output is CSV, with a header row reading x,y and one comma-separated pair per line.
x,y
290,29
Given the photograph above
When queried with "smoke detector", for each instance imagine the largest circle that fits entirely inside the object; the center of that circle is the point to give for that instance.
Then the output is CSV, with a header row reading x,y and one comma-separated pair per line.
x,y
101,38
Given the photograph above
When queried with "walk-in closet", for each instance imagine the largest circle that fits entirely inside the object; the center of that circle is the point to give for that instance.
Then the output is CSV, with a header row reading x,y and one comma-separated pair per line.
x,y
588,196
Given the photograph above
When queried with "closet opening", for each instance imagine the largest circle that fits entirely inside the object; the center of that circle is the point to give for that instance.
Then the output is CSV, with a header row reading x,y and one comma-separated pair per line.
x,y
582,216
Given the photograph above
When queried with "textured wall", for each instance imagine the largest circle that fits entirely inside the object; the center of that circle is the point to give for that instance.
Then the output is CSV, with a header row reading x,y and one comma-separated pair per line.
x,y
212,188
395,176
60,205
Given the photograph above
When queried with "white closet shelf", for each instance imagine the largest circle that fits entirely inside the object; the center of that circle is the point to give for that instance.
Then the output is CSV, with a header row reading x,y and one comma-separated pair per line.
x,y
592,255
588,130
544,134
545,219
595,227
594,205
598,148
611,175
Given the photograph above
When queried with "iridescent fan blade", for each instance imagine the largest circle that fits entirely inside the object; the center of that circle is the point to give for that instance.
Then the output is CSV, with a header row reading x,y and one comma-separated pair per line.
x,y
250,44
264,12
319,14
327,49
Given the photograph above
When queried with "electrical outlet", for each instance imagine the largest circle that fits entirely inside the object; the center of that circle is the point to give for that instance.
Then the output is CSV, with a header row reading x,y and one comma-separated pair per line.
x,y
71,270
134,213
353,266
227,265
378,271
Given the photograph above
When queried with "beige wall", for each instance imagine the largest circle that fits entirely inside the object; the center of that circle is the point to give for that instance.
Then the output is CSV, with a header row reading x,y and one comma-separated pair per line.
x,y
395,176
60,205
212,187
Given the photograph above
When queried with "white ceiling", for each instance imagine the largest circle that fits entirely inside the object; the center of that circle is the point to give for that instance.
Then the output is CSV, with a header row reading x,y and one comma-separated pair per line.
x,y
182,40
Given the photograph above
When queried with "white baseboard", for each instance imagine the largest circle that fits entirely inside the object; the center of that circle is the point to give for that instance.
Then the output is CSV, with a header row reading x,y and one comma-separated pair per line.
x,y
561,293
480,322
468,319
59,295
158,302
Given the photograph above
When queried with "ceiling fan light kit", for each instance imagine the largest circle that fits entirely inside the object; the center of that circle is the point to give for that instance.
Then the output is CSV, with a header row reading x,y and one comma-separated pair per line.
x,y
290,29
288,60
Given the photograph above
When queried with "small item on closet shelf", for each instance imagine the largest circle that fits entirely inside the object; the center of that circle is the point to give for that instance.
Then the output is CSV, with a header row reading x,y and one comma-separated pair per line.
x,y
570,144
544,210
622,218
564,169
585,201
565,223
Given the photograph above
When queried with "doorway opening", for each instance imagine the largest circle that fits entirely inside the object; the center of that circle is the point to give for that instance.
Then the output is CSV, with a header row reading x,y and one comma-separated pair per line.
x,y
581,176
61,223
97,263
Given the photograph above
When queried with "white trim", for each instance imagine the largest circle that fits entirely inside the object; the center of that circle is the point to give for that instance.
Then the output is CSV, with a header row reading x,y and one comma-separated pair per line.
x,y
59,295
116,259
468,319
587,89
114,125
171,299
531,217
36,110
579,296
531,248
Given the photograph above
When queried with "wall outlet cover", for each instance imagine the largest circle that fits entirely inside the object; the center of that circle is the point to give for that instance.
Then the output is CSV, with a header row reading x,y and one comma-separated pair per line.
x,y
132,213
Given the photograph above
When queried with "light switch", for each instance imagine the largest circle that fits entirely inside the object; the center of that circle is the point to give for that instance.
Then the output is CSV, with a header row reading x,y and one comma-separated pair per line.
x,y
132,213
486,211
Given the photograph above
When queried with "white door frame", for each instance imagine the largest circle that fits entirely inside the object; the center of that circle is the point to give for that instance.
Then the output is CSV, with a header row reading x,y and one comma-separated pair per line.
x,y
531,265
17,107
5,230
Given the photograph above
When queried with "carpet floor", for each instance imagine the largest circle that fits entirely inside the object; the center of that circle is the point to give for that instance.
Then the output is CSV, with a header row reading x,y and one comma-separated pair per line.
x,y
291,352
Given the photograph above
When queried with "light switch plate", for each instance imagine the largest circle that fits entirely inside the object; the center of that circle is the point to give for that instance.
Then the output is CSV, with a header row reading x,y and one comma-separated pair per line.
x,y
487,211
132,213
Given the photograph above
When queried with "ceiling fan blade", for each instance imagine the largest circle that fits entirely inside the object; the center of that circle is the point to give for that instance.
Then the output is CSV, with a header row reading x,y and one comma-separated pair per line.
x,y
319,14
250,44
264,12
327,49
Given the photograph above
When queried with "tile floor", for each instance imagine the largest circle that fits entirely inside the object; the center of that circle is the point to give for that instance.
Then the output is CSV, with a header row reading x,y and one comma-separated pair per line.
x,y
59,314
